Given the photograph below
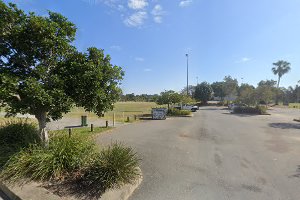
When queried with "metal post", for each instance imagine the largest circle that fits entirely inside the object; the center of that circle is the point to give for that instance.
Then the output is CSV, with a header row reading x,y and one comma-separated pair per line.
x,y
106,124
127,119
92,127
123,118
70,132
114,116
187,74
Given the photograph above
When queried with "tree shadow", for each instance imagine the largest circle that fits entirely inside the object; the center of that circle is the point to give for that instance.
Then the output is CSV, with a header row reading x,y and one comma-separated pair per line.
x,y
240,115
285,125
297,175
78,189
210,108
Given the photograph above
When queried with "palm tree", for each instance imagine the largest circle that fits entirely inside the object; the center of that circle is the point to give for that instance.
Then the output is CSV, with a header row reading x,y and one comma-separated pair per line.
x,y
282,67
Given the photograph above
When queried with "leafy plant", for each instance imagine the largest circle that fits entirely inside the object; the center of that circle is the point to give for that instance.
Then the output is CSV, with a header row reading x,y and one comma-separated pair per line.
x,y
115,166
63,157
14,136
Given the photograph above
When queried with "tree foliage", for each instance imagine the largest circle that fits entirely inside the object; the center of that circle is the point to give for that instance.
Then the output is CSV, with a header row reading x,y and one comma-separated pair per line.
x,y
169,97
246,94
42,74
203,92
230,86
218,89
281,67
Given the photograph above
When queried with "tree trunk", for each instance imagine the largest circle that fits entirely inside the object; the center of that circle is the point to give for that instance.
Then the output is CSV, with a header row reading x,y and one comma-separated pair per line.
x,y
276,99
42,119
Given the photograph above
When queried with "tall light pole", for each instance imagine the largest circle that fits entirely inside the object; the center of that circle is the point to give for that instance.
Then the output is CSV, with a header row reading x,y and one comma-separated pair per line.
x,y
197,80
187,74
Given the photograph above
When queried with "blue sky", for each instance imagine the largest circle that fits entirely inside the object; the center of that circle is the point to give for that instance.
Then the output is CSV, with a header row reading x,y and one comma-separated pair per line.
x,y
149,38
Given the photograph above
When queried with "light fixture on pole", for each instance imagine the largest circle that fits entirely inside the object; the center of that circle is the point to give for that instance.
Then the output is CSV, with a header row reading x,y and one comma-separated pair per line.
x,y
187,74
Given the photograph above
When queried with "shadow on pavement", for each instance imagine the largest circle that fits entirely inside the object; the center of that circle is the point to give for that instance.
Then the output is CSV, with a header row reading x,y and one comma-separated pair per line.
x,y
210,108
239,115
77,189
297,175
285,125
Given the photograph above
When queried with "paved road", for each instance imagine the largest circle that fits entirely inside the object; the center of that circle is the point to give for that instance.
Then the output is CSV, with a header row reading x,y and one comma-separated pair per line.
x,y
214,156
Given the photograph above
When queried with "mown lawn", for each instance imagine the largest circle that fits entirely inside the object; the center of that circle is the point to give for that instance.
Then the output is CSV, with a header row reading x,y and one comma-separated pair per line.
x,y
83,131
122,110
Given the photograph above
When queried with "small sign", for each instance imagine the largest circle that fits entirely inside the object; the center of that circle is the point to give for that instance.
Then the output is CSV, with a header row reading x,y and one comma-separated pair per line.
x,y
159,113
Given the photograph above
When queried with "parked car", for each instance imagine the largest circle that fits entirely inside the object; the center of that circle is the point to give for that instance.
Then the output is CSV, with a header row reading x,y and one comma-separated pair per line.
x,y
190,107
234,105
187,107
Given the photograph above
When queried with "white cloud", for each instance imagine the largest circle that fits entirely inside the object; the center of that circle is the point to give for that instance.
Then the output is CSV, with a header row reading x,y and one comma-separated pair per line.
x,y
136,19
243,60
185,3
147,70
139,59
137,4
157,19
157,13
116,47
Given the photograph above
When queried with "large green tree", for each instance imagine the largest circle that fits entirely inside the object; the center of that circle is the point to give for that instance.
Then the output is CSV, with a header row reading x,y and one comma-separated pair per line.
x,y
42,74
203,92
281,67
169,97
246,94
218,89
230,86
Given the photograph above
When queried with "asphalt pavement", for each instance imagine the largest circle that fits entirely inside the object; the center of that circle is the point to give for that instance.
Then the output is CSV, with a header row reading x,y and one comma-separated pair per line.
x,y
215,155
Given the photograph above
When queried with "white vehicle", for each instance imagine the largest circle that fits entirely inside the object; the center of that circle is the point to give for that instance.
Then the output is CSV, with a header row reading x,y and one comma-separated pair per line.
x,y
189,107
234,105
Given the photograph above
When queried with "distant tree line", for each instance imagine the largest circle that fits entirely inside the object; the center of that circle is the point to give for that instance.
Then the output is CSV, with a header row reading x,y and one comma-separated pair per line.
x,y
228,90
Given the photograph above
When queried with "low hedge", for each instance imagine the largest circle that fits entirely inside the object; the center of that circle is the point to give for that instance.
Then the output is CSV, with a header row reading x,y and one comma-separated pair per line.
x,y
177,112
260,110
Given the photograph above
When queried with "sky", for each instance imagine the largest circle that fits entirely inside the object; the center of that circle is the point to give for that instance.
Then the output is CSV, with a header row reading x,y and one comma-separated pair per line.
x,y
149,39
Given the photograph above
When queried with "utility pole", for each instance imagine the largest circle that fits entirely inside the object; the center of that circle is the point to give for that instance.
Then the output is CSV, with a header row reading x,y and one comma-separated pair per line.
x,y
187,74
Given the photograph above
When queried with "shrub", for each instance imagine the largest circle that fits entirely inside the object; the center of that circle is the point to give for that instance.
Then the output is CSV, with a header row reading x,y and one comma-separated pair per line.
x,y
115,166
177,112
14,136
261,109
74,160
250,110
63,157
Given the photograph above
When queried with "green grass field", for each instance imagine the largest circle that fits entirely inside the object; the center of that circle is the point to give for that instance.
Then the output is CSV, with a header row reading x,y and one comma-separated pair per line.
x,y
294,105
122,110
84,131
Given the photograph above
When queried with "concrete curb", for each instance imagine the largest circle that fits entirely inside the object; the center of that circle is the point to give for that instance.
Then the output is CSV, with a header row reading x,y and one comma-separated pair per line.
x,y
34,191
8,193
124,192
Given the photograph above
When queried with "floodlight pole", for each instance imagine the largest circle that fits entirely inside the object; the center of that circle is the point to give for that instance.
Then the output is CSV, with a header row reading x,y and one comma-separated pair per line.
x,y
187,74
